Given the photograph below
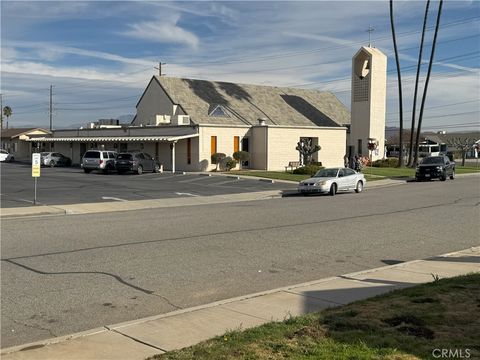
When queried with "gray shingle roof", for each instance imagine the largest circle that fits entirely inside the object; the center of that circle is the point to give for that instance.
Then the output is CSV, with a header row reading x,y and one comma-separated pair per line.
x,y
246,103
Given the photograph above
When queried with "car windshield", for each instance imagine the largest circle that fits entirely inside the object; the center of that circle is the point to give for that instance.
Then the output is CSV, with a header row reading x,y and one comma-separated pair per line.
x,y
44,153
124,157
433,160
326,173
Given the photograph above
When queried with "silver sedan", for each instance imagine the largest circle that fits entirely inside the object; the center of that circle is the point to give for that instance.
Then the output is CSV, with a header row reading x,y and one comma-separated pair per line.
x,y
333,180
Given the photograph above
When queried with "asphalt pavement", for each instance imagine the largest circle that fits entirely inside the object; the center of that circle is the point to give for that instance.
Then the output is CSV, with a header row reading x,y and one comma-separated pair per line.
x,y
62,185
64,274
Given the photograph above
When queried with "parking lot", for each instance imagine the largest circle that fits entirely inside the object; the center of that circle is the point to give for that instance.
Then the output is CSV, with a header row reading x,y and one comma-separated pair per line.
x,y
59,185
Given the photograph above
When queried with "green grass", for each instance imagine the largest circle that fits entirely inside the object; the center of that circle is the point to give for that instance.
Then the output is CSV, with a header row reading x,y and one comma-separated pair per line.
x,y
403,324
371,173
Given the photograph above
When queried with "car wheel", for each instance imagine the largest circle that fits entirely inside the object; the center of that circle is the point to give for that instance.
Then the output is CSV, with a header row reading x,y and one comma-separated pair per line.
x,y
12,159
87,171
52,163
156,168
333,189
68,163
140,170
359,187
453,175
443,177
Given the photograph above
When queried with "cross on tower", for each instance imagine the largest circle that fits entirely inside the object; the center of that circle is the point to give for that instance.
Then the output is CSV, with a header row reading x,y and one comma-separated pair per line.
x,y
370,30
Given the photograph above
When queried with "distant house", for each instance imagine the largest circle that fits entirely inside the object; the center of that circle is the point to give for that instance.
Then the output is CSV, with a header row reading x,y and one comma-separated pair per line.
x,y
446,141
436,143
14,140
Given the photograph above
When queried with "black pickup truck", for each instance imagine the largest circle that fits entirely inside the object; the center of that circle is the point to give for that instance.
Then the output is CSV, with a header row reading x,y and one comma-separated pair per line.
x,y
435,167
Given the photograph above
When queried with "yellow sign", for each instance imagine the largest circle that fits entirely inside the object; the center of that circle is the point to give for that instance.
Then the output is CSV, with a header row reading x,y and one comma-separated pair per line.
x,y
35,165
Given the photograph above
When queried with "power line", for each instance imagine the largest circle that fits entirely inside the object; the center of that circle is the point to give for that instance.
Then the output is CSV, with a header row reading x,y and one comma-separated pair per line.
x,y
296,53
98,101
440,106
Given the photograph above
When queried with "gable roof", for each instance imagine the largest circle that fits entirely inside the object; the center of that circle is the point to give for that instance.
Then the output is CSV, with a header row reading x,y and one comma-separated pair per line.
x,y
14,132
449,137
245,104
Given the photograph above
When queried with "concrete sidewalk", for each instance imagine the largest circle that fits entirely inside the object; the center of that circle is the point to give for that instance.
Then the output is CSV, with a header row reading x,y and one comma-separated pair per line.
x,y
145,337
113,206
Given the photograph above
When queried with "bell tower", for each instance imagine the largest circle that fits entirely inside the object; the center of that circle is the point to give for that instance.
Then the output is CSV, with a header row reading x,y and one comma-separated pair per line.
x,y
369,90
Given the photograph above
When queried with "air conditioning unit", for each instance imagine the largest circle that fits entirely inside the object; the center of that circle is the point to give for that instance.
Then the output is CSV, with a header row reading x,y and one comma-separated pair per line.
x,y
162,119
183,119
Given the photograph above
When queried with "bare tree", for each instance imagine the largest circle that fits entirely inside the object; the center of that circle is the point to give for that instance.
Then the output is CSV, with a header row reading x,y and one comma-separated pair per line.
x,y
307,149
430,63
400,154
463,145
419,65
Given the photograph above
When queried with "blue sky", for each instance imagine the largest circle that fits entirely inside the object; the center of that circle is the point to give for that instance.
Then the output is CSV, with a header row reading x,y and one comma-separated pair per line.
x,y
100,55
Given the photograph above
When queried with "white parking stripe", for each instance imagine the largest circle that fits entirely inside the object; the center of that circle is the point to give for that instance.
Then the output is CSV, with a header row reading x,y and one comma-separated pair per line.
x,y
113,198
188,194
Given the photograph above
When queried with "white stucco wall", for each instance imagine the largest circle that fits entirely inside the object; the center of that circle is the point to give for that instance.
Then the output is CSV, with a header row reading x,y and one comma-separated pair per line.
x,y
225,135
155,102
368,117
282,142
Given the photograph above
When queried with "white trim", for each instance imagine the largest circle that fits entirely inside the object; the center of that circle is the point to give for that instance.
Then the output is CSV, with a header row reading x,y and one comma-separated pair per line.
x,y
113,138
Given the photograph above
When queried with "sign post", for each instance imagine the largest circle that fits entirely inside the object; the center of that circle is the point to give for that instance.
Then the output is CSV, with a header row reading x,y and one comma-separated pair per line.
x,y
35,173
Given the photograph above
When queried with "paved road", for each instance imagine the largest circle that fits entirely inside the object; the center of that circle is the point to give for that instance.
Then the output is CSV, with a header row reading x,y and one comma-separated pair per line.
x,y
71,186
71,273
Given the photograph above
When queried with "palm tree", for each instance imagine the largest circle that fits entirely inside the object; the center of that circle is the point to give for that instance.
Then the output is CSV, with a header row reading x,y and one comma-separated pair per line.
x,y
430,63
7,111
400,155
410,148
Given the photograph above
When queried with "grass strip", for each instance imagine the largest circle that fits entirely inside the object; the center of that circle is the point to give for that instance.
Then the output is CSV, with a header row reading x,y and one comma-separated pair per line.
x,y
403,324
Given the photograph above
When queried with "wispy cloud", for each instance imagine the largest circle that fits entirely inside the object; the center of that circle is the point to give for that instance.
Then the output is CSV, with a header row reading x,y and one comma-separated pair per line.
x,y
51,50
162,32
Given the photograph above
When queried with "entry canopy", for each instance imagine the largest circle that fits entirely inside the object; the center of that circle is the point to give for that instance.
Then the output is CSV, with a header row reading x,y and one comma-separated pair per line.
x,y
112,138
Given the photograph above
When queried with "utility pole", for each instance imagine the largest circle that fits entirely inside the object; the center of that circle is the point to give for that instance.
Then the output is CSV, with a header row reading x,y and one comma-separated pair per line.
x,y
159,68
1,109
51,107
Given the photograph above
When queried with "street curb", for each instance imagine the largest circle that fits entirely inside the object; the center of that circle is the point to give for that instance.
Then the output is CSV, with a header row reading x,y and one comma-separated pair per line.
x,y
220,302
42,210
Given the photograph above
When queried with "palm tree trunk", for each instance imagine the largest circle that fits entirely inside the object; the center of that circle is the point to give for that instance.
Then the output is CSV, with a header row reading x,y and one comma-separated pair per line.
x,y
410,148
400,155
430,63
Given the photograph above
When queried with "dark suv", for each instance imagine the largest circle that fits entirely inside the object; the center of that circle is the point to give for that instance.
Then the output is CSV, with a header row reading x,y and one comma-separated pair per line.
x,y
137,162
435,167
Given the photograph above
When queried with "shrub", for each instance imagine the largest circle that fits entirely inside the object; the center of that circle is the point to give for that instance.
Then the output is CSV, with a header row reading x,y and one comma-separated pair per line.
x,y
229,163
388,162
217,158
241,156
307,170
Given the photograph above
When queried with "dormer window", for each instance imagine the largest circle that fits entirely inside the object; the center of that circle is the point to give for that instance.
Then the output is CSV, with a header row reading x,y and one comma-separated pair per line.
x,y
218,111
